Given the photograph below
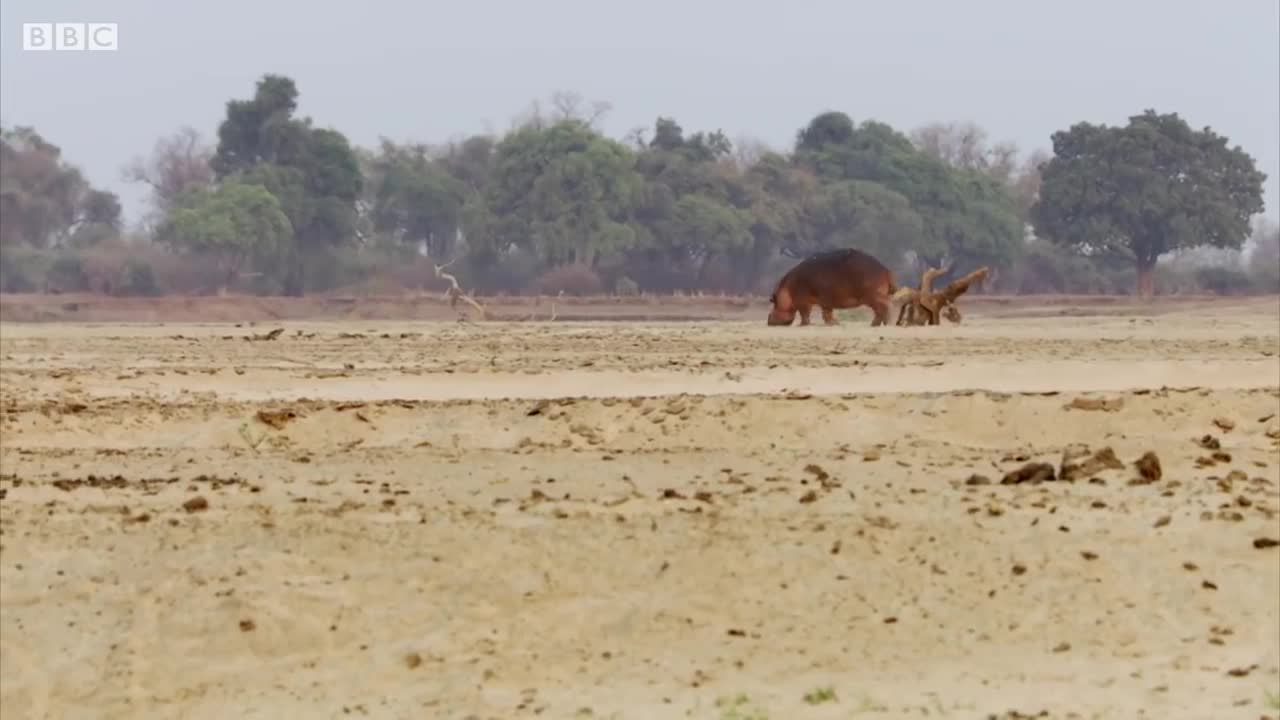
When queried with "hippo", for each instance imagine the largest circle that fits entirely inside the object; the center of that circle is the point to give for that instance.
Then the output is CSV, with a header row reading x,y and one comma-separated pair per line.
x,y
844,278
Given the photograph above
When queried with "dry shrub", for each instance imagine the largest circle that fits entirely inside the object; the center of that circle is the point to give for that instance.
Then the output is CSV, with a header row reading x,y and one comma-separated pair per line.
x,y
181,274
508,272
381,277
23,269
575,279
142,269
626,287
1225,281
103,266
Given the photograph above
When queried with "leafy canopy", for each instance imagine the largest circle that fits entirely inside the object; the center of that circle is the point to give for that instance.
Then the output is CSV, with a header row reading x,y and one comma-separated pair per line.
x,y
1149,187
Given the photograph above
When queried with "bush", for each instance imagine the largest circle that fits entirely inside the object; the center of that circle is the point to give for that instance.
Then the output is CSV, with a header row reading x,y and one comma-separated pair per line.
x,y
66,274
1175,280
493,273
139,279
575,279
23,269
1264,265
1223,280
1266,279
182,274
1048,268
144,269
626,287
104,266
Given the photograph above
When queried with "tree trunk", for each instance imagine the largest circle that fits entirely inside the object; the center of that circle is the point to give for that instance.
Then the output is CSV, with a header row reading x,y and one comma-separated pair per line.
x,y
228,271
704,267
1146,279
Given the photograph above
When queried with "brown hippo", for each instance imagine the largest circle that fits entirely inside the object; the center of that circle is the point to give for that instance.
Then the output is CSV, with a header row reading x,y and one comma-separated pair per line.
x,y
836,279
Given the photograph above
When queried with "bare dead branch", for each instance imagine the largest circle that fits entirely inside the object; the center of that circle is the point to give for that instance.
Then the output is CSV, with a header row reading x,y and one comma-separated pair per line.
x,y
914,310
923,306
455,293
553,306
961,286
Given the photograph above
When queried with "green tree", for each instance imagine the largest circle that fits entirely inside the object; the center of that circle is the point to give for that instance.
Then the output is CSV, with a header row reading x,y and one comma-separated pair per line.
x,y
778,192
470,165
826,130
1147,188
46,202
562,191
413,199
313,172
988,230
261,129
700,230
234,224
964,214
863,214
693,212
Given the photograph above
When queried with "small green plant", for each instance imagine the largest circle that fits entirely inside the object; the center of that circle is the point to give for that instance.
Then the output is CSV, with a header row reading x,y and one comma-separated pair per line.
x,y
739,707
249,440
869,704
1272,700
817,696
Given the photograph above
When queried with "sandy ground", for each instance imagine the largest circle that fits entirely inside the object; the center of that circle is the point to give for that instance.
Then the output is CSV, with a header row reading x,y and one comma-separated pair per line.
x,y
624,520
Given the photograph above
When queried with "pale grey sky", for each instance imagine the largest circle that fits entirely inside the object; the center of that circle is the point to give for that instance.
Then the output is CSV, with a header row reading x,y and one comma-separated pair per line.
x,y
429,71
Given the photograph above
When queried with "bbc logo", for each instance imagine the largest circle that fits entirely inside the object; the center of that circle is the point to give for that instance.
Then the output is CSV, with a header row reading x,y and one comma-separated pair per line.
x,y
70,36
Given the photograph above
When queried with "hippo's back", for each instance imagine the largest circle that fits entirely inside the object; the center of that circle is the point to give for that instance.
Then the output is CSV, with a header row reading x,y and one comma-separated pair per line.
x,y
842,272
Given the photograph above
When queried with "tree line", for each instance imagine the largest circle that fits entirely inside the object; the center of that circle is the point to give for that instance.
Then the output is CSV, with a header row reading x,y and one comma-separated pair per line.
x,y
280,205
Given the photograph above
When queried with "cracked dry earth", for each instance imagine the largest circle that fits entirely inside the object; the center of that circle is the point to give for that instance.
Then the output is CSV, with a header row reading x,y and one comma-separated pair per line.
x,y
713,520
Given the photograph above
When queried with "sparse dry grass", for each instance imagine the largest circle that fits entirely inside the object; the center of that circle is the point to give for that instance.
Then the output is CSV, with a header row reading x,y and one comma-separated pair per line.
x,y
435,306
625,520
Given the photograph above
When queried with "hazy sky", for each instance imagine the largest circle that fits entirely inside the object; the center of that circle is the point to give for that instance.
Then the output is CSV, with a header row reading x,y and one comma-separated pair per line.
x,y
429,71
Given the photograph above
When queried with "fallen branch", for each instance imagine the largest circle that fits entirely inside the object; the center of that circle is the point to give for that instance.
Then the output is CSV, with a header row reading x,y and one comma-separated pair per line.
x,y
924,306
455,292
918,307
259,337
961,286
553,307
249,440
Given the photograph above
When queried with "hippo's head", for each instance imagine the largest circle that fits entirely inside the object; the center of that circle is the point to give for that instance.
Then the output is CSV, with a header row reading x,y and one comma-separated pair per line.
x,y
781,314
781,317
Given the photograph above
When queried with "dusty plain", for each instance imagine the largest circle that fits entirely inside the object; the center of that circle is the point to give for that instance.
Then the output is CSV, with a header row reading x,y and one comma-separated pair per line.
x,y
580,519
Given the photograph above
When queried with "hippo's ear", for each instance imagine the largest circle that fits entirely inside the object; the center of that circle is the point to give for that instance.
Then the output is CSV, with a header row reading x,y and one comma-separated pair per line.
x,y
773,299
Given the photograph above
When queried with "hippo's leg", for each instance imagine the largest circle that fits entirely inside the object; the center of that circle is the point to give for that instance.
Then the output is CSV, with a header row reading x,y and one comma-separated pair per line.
x,y
828,316
881,307
804,311
902,313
